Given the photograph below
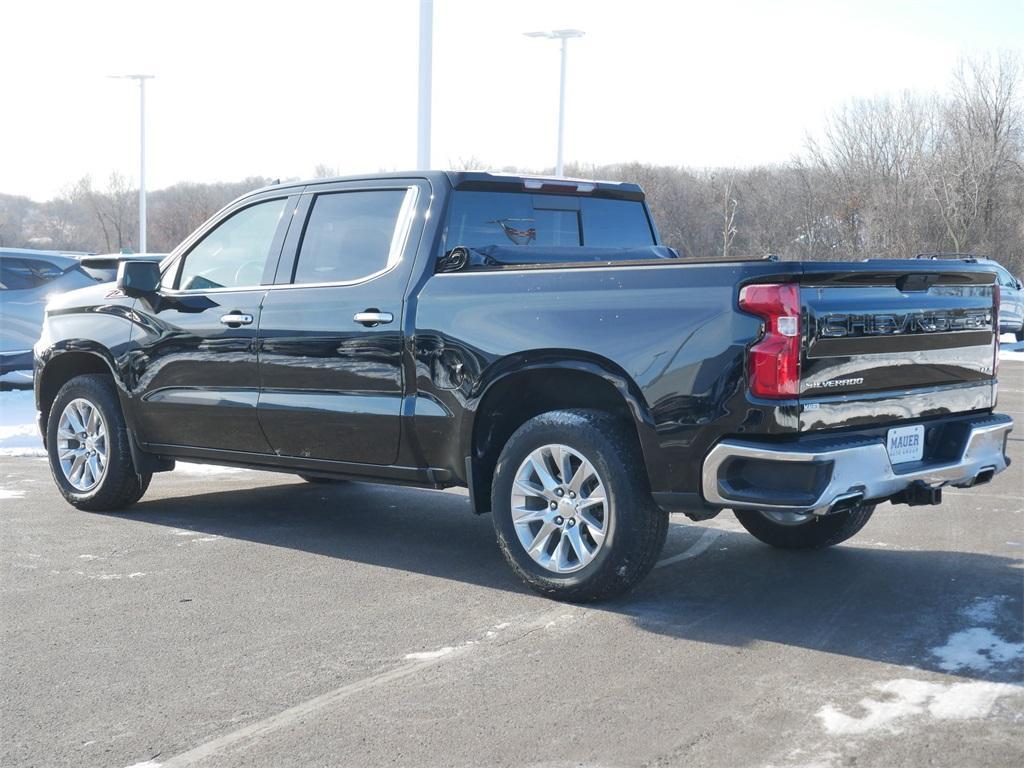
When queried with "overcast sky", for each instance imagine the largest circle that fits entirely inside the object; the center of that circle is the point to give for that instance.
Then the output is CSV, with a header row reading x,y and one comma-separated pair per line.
x,y
273,89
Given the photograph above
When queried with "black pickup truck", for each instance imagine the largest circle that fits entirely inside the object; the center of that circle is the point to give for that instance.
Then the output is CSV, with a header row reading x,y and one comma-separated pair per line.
x,y
530,339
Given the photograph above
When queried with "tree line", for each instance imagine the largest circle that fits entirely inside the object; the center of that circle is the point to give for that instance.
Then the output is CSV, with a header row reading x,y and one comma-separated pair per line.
x,y
888,177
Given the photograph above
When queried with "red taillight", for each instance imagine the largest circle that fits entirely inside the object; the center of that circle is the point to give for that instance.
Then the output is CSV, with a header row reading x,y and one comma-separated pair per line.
x,y
995,328
774,362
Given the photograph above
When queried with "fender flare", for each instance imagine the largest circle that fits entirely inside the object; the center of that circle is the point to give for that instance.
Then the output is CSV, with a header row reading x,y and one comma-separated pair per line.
x,y
566,360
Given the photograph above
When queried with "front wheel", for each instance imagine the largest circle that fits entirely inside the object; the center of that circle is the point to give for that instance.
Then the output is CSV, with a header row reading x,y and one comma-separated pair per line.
x,y
87,445
572,511
788,530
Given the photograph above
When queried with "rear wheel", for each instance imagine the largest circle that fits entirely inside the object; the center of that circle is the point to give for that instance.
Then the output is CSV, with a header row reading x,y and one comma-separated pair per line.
x,y
572,511
788,530
87,445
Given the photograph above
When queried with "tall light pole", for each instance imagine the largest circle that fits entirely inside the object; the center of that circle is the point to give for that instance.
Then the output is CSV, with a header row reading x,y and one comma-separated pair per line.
x,y
142,153
563,35
426,61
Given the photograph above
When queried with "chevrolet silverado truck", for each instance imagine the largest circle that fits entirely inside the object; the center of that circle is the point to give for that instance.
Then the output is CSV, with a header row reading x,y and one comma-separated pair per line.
x,y
531,340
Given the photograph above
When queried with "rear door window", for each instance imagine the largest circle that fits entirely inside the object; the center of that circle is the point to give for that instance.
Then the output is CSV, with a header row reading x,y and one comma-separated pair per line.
x,y
350,236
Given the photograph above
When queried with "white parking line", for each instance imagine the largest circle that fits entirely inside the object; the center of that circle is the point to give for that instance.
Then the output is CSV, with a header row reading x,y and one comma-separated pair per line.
x,y
697,548
301,712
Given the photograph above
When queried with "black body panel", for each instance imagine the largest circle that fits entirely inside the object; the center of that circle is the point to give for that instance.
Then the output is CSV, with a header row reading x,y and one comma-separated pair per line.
x,y
195,379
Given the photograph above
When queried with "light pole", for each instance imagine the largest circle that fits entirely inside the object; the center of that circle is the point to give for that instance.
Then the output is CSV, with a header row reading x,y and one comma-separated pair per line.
x,y
426,60
142,153
563,35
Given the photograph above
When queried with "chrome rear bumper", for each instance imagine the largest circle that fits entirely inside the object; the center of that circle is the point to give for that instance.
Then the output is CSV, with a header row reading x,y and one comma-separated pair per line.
x,y
838,474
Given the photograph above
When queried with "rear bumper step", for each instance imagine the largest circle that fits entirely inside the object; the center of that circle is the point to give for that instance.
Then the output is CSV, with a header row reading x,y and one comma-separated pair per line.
x,y
824,477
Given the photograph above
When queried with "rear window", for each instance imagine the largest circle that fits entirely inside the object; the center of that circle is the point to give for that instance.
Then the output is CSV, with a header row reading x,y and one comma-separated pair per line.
x,y
481,219
19,274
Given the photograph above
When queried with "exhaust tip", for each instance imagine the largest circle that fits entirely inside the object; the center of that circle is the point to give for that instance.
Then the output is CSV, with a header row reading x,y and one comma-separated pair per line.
x,y
984,476
845,503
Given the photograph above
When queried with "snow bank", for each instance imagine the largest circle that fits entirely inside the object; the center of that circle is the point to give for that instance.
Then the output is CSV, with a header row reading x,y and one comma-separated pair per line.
x,y
904,698
1010,348
19,435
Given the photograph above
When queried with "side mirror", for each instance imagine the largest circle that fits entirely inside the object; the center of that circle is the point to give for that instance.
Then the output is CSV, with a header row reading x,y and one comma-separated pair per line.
x,y
138,278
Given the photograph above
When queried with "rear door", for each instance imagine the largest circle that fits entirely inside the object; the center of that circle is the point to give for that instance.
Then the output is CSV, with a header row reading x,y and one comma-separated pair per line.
x,y
892,340
331,339
195,361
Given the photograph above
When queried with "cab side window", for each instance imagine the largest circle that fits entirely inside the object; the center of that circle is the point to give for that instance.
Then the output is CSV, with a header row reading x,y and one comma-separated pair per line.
x,y
235,253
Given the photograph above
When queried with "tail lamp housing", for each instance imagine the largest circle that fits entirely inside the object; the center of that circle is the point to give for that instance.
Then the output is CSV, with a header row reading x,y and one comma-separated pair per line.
x,y
773,362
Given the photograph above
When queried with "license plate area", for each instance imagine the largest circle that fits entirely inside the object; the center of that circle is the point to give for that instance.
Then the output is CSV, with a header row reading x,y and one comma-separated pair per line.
x,y
905,444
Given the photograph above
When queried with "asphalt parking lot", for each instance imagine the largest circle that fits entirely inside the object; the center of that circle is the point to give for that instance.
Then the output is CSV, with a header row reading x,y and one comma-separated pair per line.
x,y
251,619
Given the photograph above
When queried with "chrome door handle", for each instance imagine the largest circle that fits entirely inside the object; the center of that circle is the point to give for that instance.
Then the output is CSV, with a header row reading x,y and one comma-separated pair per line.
x,y
236,319
372,317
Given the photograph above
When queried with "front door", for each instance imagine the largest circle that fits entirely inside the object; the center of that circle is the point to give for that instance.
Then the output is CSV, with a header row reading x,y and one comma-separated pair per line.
x,y
196,382
331,329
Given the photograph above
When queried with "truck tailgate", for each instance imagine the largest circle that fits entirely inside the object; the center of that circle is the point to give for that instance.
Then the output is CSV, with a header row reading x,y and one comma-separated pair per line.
x,y
895,340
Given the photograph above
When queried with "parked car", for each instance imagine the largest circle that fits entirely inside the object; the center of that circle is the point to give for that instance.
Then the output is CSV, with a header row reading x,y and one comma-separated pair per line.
x,y
529,339
102,267
27,279
1011,301
1011,291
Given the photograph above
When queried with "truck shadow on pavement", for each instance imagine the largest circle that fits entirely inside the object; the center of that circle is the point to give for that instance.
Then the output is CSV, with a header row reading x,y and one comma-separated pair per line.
x,y
863,599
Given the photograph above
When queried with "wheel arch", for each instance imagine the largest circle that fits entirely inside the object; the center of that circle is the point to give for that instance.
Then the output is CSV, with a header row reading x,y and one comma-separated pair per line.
x,y
59,366
519,387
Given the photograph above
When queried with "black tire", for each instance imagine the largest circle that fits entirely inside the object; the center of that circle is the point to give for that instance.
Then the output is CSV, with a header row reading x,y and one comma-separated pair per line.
x,y
817,533
637,528
323,480
120,485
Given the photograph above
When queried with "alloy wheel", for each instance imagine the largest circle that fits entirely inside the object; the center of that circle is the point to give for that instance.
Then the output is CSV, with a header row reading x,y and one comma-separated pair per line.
x,y
560,508
82,447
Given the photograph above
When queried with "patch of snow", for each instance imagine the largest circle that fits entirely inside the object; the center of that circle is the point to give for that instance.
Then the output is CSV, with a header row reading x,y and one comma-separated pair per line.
x,y
203,470
977,648
115,576
23,452
11,433
423,655
18,431
146,764
905,698
1010,348
983,610
6,493
17,378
